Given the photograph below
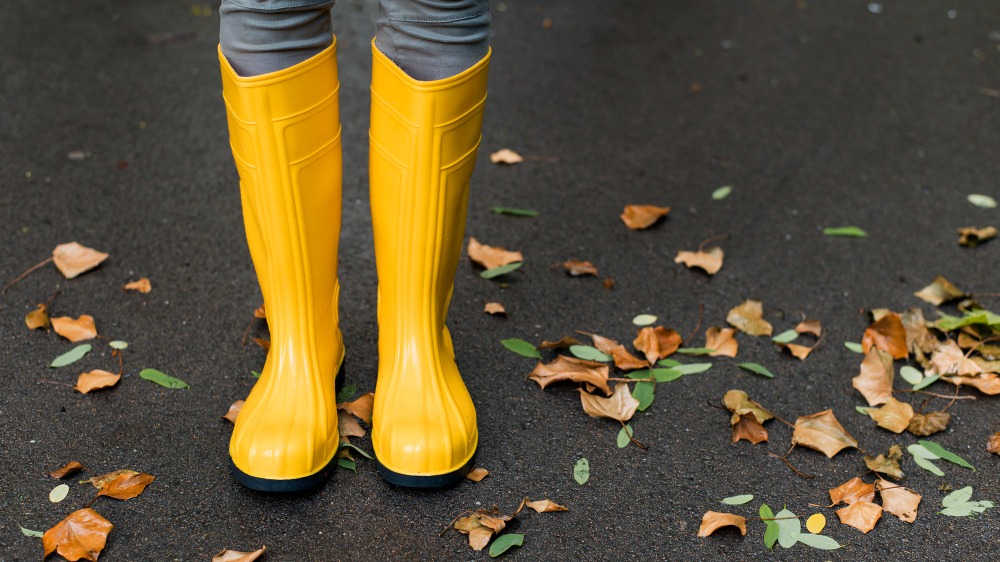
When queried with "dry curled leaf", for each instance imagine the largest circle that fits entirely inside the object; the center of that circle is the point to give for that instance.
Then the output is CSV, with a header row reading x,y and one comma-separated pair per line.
x,y
861,515
495,309
348,426
929,423
940,291
799,351
709,260
822,432
71,467
572,369
887,334
852,491
38,318
810,326
874,382
237,556
971,236
949,359
993,443
748,318
894,415
919,340
126,486
620,406
101,480
638,217
72,259
625,360
739,403
80,536
477,474
78,329
721,340
234,411
987,383
94,380
506,156
887,464
714,520
565,341
898,500
142,285
266,344
259,313
491,257
576,268
545,506
747,427
657,343
361,407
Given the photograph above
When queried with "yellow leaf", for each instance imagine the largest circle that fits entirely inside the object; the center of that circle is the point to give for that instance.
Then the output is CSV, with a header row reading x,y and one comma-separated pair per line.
x,y
815,523
142,285
894,416
748,317
79,329
713,520
638,217
72,259
94,380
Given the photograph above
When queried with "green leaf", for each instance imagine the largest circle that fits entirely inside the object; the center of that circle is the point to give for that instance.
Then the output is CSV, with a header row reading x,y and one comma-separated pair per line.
x,y
738,500
845,231
983,201
644,392
504,542
863,410
666,375
59,493
945,454
722,192
71,356
346,393
691,368
756,369
854,346
668,363
922,452
589,353
789,528
162,379
771,534
348,464
346,445
118,344
521,347
514,212
985,317
644,320
765,512
695,351
640,374
963,510
958,496
821,542
911,375
927,381
788,336
581,472
928,466
255,374
624,436
30,533
502,270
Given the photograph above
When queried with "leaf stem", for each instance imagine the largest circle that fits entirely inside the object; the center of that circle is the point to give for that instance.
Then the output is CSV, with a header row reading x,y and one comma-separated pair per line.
x,y
797,472
936,395
25,274
630,438
701,314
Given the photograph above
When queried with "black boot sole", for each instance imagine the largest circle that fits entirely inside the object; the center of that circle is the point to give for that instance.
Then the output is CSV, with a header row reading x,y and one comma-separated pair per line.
x,y
436,481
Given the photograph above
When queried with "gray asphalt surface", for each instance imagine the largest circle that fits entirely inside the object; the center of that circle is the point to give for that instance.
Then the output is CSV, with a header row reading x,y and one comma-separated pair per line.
x,y
818,113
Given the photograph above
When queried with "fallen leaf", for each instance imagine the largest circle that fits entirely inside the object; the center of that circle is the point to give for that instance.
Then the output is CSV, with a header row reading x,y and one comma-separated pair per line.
x,y
94,380
514,212
608,283
576,268
521,347
545,506
142,285
506,156
919,340
638,217
38,318
620,406
940,291
348,426
845,231
495,308
894,416
644,320
854,490
80,536
657,343
99,481
75,330
928,424
971,236
721,340
236,556
810,326
510,540
822,432
491,257
887,464
565,341
898,501
949,359
71,467
721,193
861,515
713,520
479,538
571,369
739,403
625,360
71,356
987,383
581,471
874,382
477,474
72,259
162,379
259,313
497,524
887,334
709,260
266,344
983,201
748,318
993,443
360,407
234,411
816,523
738,500
799,351
126,486
59,493
747,427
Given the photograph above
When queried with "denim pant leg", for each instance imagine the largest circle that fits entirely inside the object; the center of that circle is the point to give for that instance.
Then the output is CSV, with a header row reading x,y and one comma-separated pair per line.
x,y
433,39
262,36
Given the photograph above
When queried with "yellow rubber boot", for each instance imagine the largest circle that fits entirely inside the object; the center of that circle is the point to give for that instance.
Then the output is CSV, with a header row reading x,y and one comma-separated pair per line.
x,y
424,138
284,128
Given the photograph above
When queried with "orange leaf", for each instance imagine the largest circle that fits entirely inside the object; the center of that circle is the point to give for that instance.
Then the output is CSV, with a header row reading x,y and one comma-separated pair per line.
x,y
572,369
477,474
348,426
894,416
142,285
929,423
506,156
576,268
822,432
69,468
100,481
621,406
479,538
861,515
565,341
739,403
38,318
236,556
918,337
799,351
94,380
709,260
266,344
987,383
810,326
993,443
713,520
748,317
625,360
874,382
638,217
126,486
72,259
898,501
545,506
234,411
747,427
888,335
887,464
490,257
657,343
604,344
80,536
971,236
854,490
722,341
495,308
949,359
259,313
360,407
80,329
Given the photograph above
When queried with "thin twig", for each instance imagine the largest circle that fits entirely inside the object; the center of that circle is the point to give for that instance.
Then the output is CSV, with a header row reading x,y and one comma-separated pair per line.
x,y
626,379
632,439
25,274
457,517
936,395
797,472
246,334
701,313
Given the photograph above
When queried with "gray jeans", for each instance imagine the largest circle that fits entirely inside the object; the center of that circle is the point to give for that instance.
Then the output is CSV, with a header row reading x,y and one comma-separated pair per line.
x,y
428,39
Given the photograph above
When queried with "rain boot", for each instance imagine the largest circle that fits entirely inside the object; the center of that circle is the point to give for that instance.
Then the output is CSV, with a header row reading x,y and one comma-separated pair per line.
x,y
284,129
424,138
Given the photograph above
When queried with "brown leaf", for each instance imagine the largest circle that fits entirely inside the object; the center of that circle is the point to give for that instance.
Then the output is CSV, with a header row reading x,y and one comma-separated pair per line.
x,y
360,407
468,524
506,156
810,326
348,426
545,506
608,283
861,515
480,537
713,520
621,406
799,351
234,411
80,536
266,344
572,369
821,431
722,341
929,424
748,318
94,380
854,490
71,467
495,308
993,443
894,416
747,427
79,329
497,524
142,285
875,380
38,318
477,474
603,344
72,259
887,334
259,313
949,359
565,341
971,236
739,403
987,383
126,486
490,257
638,217
657,343
100,481
709,260
887,464
940,291
576,268
625,360
236,556
898,501
919,340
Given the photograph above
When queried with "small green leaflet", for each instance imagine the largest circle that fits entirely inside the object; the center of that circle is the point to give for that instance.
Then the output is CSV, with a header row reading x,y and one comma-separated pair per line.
x,y
983,201
771,534
502,270
756,369
71,356
663,375
346,393
668,363
949,323
957,504
256,375
945,454
789,528
691,368
581,472
821,542
30,533
346,445
863,410
624,436
162,379
927,381
521,347
588,352
957,497
644,320
854,346
644,392
514,212
722,192
348,464
738,500
845,231
911,375
923,458
503,543
695,351
788,336
118,344
59,493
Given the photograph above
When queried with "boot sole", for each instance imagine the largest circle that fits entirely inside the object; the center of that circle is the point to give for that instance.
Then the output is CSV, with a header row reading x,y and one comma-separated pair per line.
x,y
436,481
